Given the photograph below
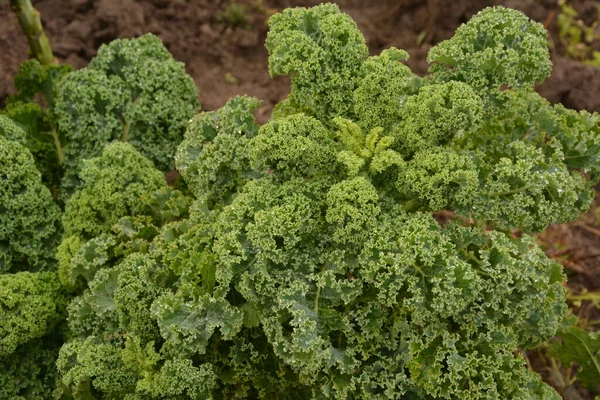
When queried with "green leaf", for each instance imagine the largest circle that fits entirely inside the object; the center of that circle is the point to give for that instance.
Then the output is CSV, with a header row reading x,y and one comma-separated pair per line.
x,y
581,347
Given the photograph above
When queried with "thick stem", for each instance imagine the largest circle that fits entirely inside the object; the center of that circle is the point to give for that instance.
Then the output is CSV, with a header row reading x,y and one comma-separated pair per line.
x,y
58,146
125,134
517,190
29,19
316,308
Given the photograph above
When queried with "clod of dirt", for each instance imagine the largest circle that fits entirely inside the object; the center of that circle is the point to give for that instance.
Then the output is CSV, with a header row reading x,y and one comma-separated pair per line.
x,y
125,18
574,84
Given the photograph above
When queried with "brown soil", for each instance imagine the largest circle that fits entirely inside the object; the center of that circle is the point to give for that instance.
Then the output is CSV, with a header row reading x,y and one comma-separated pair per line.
x,y
226,60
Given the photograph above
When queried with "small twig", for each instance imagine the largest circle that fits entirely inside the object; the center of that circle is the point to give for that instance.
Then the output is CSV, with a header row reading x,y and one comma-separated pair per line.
x,y
560,252
588,228
549,19
526,358
557,373
542,357
586,256
588,296
575,267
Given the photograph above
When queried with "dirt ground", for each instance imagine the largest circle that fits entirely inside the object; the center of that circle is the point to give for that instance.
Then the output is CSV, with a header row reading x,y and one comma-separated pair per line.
x,y
226,60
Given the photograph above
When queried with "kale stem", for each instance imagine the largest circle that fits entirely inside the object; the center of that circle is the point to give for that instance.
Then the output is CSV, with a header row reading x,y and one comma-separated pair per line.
x,y
323,268
125,135
29,19
59,150
517,190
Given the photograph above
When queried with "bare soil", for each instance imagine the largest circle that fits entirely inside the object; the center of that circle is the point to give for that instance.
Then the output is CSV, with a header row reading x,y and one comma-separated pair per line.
x,y
226,61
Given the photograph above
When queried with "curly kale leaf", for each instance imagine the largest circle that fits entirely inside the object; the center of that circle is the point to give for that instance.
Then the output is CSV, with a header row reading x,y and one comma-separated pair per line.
x,y
213,157
498,46
526,116
114,185
524,189
29,219
133,91
188,322
41,138
292,147
180,378
31,305
10,130
175,379
438,179
29,373
383,87
368,154
39,124
88,366
116,212
163,206
579,137
352,209
323,51
117,302
80,260
267,223
34,78
180,249
435,115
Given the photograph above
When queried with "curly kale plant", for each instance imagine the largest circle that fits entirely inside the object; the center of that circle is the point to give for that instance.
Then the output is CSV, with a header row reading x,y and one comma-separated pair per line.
x,y
28,307
32,302
132,91
118,205
302,258
309,263
29,219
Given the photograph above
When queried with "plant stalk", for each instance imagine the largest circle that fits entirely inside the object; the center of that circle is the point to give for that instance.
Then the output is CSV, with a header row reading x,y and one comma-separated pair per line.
x,y
316,308
59,151
29,19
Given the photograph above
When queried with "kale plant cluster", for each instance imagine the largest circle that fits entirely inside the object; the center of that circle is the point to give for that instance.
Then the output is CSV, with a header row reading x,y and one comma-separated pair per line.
x,y
301,258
